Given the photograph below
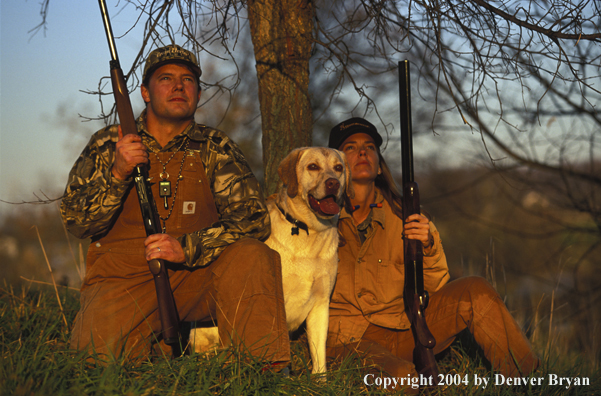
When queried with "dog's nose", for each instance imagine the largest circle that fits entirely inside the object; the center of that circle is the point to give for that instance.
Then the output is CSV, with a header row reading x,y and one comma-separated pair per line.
x,y
332,186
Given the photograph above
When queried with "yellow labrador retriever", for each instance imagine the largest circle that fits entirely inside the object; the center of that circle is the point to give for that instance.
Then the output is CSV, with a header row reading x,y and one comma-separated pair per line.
x,y
304,218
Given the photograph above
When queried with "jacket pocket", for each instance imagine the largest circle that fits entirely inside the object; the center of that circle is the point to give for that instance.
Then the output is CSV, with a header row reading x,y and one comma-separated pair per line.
x,y
391,281
195,207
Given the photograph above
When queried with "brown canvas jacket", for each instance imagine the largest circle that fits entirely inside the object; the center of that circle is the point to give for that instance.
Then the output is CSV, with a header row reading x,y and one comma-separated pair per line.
x,y
370,282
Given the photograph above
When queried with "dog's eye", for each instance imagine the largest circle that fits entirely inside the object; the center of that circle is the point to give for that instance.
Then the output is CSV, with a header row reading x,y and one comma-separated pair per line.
x,y
338,168
313,167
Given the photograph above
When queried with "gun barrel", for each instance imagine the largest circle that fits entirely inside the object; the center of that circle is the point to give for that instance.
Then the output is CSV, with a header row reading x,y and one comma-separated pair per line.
x,y
166,303
414,294
406,127
109,30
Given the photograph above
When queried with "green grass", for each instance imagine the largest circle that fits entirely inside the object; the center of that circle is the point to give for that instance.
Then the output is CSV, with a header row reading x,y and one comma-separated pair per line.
x,y
35,360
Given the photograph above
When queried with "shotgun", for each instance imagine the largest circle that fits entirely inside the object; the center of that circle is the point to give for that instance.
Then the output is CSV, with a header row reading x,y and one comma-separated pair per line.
x,y
166,303
416,298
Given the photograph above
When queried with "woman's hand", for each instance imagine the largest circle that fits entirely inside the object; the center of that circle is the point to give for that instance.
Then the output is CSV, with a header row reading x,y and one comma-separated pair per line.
x,y
418,227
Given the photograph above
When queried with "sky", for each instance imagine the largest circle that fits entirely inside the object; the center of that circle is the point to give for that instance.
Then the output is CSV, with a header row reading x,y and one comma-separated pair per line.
x,y
41,79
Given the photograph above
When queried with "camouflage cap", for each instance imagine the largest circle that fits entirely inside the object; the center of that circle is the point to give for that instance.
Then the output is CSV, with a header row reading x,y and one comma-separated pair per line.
x,y
170,54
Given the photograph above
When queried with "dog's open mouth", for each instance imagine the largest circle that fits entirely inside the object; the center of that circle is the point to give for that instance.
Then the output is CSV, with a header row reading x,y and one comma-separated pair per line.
x,y
326,206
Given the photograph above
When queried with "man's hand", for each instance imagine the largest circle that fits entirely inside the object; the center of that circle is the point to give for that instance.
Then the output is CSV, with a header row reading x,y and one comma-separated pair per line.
x,y
418,227
163,246
130,153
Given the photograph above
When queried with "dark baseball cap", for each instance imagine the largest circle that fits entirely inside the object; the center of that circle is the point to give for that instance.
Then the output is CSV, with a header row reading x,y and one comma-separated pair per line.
x,y
342,131
170,54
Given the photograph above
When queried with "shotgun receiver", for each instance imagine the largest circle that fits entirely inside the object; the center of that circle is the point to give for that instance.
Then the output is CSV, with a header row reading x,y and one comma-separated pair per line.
x,y
167,309
416,298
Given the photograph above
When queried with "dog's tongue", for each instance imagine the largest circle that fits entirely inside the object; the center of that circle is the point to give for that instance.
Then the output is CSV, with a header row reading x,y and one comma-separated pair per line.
x,y
326,206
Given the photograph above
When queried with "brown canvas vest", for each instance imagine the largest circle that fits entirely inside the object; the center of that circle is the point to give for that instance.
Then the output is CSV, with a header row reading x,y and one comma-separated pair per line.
x,y
120,253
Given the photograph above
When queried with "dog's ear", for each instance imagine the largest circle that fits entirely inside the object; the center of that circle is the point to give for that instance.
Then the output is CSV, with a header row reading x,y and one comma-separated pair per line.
x,y
287,172
350,191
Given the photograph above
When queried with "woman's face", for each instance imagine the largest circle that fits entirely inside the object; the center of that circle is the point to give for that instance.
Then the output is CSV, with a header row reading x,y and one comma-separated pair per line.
x,y
362,156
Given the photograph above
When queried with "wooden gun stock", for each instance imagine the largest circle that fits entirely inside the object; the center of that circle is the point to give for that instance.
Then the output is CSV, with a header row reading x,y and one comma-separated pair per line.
x,y
121,95
416,298
166,303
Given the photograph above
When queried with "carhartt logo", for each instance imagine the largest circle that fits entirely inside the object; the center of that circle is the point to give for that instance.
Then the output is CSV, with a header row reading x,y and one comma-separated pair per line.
x,y
189,207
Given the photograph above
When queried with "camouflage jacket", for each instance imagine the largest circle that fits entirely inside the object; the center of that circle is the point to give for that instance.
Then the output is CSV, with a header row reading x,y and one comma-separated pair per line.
x,y
93,196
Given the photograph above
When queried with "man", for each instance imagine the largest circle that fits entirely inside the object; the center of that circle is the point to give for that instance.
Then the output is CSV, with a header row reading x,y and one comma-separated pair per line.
x,y
367,311
213,219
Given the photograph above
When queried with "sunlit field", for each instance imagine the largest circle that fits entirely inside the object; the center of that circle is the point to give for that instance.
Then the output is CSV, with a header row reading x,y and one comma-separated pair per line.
x,y
36,360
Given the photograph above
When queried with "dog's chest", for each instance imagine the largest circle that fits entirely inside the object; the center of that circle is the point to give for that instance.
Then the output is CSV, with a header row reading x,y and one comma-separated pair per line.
x,y
309,264
307,283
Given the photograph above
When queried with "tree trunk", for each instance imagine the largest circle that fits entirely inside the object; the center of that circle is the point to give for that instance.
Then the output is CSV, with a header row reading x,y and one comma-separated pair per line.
x,y
281,32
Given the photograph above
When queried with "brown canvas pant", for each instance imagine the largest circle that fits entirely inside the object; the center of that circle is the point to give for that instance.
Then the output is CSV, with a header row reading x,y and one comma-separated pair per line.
x,y
466,303
241,289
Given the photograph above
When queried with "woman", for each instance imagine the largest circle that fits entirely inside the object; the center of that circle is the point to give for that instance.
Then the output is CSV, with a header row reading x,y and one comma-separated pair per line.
x,y
367,312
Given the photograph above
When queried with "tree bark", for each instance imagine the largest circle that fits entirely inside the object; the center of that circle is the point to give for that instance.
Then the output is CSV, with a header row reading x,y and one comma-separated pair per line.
x,y
281,32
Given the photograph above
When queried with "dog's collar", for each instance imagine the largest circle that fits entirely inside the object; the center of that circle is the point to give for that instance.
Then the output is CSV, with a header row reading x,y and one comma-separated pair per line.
x,y
296,223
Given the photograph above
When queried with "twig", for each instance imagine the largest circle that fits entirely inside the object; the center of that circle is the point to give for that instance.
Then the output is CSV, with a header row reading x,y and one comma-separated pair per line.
x,y
52,276
47,200
70,246
82,263
47,283
550,324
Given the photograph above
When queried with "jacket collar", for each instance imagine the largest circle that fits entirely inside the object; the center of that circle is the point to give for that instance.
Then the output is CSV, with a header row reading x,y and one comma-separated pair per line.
x,y
378,214
192,131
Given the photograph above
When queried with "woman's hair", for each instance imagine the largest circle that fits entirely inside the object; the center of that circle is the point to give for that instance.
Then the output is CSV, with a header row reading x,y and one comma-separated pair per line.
x,y
387,186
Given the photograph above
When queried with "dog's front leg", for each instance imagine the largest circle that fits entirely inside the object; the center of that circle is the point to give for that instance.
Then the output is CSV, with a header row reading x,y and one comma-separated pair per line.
x,y
317,333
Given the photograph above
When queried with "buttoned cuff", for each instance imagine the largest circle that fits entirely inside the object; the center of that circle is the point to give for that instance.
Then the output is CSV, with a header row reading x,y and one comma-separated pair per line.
x,y
435,246
191,250
118,187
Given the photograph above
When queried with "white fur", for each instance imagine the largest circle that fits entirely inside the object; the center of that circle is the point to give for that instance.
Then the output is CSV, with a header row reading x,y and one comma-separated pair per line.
x,y
309,262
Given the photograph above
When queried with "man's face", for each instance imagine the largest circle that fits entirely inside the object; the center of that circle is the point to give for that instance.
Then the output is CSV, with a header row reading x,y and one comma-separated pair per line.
x,y
362,156
172,93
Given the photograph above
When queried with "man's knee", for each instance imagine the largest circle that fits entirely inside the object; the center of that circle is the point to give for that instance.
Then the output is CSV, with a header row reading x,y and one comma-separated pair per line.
x,y
252,256
250,262
251,250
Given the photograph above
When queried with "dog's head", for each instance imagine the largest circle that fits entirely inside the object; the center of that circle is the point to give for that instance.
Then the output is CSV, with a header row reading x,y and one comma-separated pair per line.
x,y
320,175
